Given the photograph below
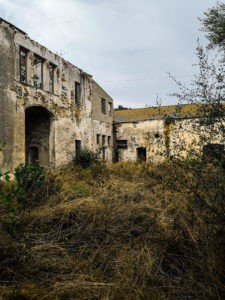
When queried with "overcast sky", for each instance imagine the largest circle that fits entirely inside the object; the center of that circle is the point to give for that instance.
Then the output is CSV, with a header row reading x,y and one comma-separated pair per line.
x,y
128,46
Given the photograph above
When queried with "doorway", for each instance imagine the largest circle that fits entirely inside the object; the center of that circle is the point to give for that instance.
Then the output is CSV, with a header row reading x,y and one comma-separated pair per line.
x,y
37,133
141,154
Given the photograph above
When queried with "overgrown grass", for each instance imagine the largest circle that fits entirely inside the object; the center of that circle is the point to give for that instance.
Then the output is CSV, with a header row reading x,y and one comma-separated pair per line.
x,y
122,231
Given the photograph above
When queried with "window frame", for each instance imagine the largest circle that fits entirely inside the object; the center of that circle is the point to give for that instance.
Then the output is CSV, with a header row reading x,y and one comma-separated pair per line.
x,y
41,61
22,49
51,80
77,94
213,150
122,144
109,140
77,147
110,108
98,137
103,106
103,140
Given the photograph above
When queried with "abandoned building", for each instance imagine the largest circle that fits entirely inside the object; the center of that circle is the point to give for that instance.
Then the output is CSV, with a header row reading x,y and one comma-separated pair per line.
x,y
51,109
151,134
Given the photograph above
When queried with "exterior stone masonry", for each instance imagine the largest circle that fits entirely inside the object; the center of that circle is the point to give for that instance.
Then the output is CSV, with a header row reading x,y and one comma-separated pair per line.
x,y
51,109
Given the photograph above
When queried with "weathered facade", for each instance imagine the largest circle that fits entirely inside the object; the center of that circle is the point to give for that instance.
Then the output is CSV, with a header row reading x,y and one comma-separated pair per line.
x,y
49,109
152,134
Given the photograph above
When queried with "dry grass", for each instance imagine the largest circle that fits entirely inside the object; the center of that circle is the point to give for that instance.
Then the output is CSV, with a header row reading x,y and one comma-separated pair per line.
x,y
123,231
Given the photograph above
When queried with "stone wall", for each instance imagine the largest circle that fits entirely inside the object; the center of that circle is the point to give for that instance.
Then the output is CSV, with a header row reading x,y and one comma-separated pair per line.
x,y
178,137
70,120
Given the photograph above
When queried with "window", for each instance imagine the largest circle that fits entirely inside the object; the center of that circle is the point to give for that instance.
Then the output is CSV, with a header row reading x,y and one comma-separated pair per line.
x,y
77,92
98,139
213,151
109,140
110,109
156,135
121,144
103,140
77,147
38,72
23,65
51,78
103,106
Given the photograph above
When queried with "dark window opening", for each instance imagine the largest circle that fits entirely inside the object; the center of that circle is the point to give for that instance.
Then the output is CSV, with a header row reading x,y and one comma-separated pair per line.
x,y
51,78
156,135
77,147
110,109
104,154
141,154
121,144
77,92
38,72
103,140
213,151
103,106
98,139
109,140
23,65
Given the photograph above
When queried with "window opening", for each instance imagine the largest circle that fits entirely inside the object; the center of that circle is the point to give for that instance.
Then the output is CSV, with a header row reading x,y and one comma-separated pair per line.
x,y
23,65
213,151
121,144
98,139
77,92
110,109
51,78
103,106
103,140
77,147
38,72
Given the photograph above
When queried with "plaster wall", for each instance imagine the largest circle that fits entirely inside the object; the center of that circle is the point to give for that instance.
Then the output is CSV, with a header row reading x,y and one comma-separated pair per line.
x,y
69,121
180,138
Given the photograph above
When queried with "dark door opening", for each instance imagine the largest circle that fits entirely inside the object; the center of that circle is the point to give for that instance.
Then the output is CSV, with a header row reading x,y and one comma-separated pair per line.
x,y
141,154
37,133
32,155
103,153
213,151
77,147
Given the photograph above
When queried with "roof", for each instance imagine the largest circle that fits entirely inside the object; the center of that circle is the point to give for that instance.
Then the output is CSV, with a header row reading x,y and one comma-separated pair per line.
x,y
12,26
142,114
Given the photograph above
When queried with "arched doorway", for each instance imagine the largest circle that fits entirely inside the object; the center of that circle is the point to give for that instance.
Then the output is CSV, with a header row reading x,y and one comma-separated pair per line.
x,y
37,133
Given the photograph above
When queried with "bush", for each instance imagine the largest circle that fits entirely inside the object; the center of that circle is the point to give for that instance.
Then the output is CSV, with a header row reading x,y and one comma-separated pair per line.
x,y
30,176
35,182
10,194
85,158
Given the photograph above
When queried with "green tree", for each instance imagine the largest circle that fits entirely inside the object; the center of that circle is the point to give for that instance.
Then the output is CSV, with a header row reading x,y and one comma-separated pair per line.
x,y
213,23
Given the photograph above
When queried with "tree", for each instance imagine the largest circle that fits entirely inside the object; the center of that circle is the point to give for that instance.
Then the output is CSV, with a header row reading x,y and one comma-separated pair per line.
x,y
214,25
121,107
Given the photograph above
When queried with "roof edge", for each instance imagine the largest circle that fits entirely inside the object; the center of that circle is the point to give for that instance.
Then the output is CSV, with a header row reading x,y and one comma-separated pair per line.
x,y
12,26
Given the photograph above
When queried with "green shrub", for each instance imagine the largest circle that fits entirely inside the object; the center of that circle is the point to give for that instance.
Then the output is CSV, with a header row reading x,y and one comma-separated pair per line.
x,y
35,182
10,194
30,176
85,158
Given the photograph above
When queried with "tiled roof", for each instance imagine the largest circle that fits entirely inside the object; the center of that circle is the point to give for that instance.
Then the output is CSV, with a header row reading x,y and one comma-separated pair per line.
x,y
141,114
